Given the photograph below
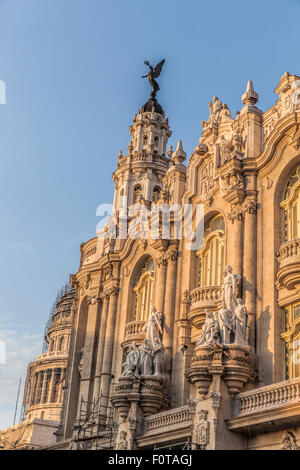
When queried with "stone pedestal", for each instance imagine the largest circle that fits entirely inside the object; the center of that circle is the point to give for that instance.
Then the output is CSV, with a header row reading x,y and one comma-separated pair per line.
x,y
231,363
198,372
153,396
238,370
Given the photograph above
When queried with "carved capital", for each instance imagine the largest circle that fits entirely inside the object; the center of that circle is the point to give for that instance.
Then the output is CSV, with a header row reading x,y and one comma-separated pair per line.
x,y
92,300
236,214
172,255
106,293
162,260
239,212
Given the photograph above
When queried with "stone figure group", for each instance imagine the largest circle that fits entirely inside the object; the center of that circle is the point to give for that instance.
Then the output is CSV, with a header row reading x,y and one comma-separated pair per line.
x,y
230,324
145,360
148,358
219,113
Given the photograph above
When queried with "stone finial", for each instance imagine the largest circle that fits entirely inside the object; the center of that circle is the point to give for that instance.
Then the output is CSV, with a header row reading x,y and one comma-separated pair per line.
x,y
250,97
179,155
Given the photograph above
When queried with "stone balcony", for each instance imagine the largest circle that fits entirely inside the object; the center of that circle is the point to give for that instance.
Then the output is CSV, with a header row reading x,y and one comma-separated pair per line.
x,y
267,408
202,298
144,157
52,355
288,274
175,424
88,251
133,333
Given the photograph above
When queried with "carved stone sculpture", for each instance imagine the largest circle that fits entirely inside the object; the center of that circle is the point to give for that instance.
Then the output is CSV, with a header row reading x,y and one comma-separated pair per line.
x,y
225,323
289,441
219,113
153,327
146,359
229,285
240,324
123,444
132,359
158,357
210,329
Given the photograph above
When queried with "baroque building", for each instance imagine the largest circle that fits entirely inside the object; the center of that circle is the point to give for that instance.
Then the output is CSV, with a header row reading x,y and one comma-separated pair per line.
x,y
45,382
190,338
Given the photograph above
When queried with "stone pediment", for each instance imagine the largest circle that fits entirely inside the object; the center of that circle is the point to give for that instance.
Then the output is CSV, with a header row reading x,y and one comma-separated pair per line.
x,y
288,91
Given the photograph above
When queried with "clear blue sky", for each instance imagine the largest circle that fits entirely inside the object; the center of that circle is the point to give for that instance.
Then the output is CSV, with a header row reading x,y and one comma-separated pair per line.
x,y
73,74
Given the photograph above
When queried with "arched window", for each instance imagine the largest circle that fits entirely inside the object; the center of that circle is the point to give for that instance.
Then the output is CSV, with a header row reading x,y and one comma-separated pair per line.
x,y
51,345
156,193
143,290
137,192
61,343
212,255
291,207
291,336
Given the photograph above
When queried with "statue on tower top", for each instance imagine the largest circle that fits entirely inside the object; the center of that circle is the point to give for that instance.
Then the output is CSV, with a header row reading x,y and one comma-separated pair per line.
x,y
154,72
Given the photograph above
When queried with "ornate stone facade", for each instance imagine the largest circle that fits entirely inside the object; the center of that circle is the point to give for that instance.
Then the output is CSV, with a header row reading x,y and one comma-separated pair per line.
x,y
174,345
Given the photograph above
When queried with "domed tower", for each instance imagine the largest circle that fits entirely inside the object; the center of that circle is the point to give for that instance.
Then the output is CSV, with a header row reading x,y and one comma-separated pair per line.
x,y
44,387
139,174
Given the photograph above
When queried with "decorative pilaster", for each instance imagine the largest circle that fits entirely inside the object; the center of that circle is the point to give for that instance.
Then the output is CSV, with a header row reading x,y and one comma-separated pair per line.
x,y
249,284
160,282
91,332
169,307
104,296
109,345
52,383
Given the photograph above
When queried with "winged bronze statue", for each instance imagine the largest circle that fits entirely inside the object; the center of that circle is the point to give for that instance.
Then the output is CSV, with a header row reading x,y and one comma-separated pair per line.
x,y
154,72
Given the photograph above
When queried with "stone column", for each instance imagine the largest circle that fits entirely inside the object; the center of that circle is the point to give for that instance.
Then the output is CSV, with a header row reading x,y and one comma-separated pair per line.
x,y
108,348
43,385
234,237
51,388
37,387
101,342
32,390
160,283
169,308
249,284
60,390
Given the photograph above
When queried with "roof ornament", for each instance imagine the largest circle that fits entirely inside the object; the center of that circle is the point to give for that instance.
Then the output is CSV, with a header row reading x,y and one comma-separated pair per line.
x,y
154,72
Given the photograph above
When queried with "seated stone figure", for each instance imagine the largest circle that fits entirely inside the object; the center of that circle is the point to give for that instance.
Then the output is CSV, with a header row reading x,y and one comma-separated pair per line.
x,y
132,360
210,331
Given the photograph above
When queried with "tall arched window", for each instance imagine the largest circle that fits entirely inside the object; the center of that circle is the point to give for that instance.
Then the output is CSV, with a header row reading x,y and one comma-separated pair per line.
x,y
212,255
137,192
291,336
143,290
291,207
156,193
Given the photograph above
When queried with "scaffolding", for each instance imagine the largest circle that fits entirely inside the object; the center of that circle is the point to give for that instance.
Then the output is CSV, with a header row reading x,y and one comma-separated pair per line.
x,y
95,428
